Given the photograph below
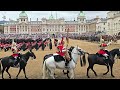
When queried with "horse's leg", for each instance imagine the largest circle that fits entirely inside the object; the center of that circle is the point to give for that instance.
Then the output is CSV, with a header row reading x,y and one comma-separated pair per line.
x,y
47,74
88,71
24,73
3,72
64,72
18,73
71,74
107,71
52,73
111,67
8,72
68,74
93,71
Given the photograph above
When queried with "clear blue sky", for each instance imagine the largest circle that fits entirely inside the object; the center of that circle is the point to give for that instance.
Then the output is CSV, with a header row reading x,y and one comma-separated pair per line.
x,y
68,15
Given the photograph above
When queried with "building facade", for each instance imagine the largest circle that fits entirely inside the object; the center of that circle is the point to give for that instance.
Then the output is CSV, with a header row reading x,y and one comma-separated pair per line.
x,y
51,25
113,22
2,26
25,26
102,25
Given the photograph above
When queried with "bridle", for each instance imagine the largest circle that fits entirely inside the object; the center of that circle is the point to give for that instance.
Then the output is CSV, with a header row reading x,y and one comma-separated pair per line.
x,y
75,53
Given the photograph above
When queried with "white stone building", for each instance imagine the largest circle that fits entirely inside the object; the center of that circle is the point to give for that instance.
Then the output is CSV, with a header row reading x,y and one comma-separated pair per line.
x,y
51,25
113,22
101,25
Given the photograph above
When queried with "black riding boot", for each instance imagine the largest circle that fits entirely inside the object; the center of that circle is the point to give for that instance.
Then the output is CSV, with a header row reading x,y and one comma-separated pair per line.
x,y
66,63
16,63
106,61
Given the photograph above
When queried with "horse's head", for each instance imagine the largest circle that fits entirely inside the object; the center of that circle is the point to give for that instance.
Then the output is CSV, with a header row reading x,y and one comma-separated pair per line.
x,y
80,51
71,48
76,52
32,54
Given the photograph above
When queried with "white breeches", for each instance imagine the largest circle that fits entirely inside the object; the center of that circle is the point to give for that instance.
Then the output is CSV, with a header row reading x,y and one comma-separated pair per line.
x,y
106,55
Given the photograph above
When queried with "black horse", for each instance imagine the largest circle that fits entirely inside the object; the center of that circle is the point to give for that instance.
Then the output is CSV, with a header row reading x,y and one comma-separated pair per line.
x,y
95,59
6,63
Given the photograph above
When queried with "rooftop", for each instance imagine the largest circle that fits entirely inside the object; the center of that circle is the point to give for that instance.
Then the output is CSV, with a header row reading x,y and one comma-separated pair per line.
x,y
23,14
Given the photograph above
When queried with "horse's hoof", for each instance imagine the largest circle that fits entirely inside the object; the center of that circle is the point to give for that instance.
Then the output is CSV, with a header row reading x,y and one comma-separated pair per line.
x,y
2,78
104,73
96,75
26,77
112,75
16,77
10,77
88,76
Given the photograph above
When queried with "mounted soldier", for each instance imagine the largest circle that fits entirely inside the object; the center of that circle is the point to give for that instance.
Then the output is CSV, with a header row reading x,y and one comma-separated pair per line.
x,y
103,51
15,54
62,51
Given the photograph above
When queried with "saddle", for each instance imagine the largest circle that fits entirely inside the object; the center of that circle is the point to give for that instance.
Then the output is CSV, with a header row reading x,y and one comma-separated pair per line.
x,y
58,58
13,60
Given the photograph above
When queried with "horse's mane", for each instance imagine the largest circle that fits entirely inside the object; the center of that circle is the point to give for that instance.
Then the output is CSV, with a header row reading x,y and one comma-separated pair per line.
x,y
113,50
25,53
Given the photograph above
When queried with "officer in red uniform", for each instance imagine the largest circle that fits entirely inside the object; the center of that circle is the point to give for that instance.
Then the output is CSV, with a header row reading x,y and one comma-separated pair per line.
x,y
15,53
103,51
62,51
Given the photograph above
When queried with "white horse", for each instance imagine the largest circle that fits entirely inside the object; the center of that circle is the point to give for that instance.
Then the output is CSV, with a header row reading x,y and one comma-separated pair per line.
x,y
49,64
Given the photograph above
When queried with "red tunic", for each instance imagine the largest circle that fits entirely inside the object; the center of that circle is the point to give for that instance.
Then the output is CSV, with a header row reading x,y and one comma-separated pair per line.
x,y
15,55
101,52
60,47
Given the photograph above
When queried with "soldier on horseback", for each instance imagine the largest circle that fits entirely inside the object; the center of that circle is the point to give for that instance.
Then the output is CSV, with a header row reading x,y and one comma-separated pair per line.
x,y
62,51
15,54
103,51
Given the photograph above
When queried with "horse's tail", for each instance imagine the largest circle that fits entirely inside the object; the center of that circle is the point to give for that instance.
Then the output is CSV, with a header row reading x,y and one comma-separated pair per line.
x,y
81,61
84,60
44,69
